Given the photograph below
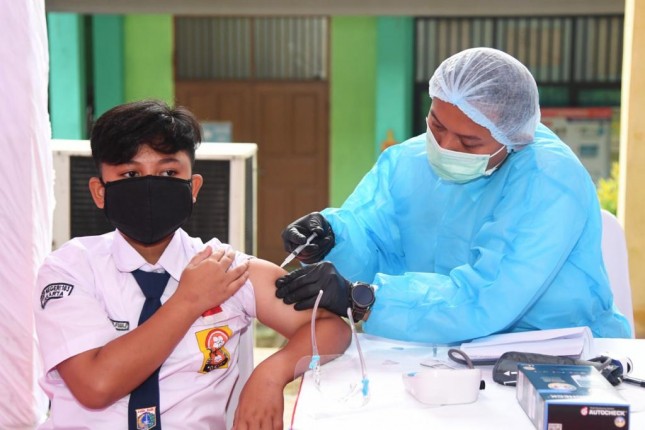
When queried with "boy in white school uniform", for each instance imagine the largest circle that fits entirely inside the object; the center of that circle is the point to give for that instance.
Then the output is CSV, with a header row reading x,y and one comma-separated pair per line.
x,y
99,360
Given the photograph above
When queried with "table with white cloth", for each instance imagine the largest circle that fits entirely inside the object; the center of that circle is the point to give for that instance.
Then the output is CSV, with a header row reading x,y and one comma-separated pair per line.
x,y
391,406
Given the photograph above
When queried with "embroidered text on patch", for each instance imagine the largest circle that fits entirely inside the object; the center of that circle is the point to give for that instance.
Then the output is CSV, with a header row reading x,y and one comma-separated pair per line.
x,y
55,291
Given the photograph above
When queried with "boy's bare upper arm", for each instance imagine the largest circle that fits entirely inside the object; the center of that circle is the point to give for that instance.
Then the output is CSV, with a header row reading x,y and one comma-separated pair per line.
x,y
271,311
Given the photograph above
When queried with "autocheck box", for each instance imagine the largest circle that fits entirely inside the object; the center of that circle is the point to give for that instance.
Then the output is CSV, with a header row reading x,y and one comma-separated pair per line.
x,y
570,397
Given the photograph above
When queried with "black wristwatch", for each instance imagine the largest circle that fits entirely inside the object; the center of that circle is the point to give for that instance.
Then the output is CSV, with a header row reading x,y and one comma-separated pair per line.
x,y
362,297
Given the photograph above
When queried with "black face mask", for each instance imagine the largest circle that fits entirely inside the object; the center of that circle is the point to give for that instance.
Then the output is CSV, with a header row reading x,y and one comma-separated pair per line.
x,y
148,208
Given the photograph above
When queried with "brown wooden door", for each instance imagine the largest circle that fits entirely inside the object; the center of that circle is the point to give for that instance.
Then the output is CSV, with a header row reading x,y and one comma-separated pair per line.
x,y
289,122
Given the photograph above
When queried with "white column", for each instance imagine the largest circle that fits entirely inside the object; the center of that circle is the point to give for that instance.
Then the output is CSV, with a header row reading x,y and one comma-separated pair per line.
x,y
631,200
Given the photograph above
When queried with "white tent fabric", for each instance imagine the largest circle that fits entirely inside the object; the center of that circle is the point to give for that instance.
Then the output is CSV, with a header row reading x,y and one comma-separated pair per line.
x,y
26,204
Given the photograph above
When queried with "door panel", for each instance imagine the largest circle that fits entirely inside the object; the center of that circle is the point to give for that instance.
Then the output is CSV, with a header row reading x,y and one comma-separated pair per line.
x,y
289,122
212,101
294,147
306,107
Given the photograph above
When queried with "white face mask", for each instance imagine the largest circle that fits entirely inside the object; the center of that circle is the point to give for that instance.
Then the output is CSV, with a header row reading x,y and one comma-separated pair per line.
x,y
456,166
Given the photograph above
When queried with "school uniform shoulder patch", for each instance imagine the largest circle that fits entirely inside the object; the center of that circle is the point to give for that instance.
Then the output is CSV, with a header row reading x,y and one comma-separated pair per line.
x,y
55,291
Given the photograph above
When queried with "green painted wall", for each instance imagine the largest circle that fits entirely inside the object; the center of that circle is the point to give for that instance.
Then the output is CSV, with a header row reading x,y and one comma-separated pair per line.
x,y
148,64
352,101
395,78
370,80
67,71
107,60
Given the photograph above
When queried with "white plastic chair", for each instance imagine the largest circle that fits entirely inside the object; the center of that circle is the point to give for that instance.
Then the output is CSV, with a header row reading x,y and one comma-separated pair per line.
x,y
614,254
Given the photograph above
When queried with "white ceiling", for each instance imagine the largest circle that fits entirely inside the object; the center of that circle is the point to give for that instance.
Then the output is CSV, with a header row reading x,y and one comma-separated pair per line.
x,y
343,7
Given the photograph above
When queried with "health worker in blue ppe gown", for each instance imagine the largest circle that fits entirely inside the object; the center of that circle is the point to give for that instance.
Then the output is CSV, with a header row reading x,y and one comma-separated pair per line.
x,y
487,223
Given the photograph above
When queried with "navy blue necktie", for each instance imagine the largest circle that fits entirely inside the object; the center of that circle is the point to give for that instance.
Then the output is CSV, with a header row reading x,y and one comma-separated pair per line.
x,y
143,409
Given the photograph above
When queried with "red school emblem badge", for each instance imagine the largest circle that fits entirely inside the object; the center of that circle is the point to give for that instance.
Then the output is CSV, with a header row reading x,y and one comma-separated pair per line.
x,y
211,343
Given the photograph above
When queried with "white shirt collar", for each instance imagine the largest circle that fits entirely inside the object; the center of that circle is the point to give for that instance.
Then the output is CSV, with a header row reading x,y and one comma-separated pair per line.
x,y
173,260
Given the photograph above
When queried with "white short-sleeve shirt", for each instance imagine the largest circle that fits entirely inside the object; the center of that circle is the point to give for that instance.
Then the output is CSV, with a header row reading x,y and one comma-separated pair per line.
x,y
88,297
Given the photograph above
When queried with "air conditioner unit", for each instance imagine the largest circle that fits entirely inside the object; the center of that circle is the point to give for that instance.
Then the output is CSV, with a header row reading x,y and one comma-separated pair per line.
x,y
225,208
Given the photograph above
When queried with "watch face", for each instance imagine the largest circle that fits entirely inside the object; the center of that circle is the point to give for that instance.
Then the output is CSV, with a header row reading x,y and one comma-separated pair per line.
x,y
363,295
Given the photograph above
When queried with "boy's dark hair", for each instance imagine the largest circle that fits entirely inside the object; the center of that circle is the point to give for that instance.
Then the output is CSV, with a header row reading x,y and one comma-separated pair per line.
x,y
119,133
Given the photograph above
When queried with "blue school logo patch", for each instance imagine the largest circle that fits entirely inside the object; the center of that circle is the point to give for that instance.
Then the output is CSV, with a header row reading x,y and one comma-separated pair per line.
x,y
55,291
146,418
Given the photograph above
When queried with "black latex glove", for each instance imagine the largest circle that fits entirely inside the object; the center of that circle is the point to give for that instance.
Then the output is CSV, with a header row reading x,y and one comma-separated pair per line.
x,y
301,287
298,231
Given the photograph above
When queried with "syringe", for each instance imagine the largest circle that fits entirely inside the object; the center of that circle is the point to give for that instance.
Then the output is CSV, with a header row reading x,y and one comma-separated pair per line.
x,y
298,250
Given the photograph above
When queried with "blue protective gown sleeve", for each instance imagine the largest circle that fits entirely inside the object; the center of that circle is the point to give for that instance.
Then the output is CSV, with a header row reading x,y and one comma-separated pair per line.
x,y
518,250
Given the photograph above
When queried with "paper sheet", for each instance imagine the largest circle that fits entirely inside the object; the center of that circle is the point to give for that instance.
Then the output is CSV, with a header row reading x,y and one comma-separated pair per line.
x,y
571,342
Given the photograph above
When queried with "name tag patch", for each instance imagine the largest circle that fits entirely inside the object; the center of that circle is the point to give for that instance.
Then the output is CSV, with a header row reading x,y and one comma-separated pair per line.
x,y
55,291
121,325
